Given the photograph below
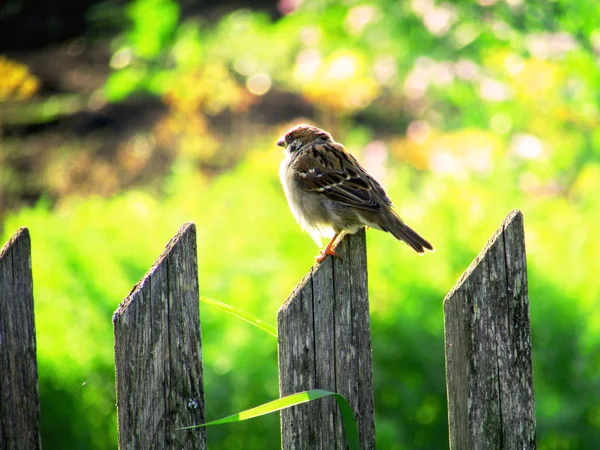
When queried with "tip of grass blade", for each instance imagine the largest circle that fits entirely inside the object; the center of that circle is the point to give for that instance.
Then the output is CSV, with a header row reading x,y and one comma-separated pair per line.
x,y
240,314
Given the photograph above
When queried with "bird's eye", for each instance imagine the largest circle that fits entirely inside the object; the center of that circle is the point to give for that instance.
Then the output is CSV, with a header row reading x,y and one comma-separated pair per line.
x,y
295,145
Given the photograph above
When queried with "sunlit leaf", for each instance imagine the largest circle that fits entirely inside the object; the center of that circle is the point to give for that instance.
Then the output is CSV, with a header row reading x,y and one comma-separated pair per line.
x,y
350,427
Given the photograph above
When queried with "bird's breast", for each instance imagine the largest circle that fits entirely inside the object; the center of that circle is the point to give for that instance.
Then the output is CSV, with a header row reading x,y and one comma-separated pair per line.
x,y
309,208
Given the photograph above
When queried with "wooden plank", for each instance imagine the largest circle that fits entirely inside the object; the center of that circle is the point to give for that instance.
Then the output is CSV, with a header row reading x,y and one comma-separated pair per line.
x,y
158,353
325,343
19,398
488,348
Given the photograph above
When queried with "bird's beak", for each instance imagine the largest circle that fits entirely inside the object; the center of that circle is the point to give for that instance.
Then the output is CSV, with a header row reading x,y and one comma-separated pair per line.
x,y
281,143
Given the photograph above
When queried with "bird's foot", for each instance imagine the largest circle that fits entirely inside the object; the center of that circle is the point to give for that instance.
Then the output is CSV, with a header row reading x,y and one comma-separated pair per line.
x,y
328,251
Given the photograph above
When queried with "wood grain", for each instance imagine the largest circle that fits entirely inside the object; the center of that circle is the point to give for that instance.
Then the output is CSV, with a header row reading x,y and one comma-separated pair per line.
x,y
325,343
19,398
158,353
488,348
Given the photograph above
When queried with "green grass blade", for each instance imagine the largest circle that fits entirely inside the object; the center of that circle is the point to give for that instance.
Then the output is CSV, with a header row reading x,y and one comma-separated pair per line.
x,y
350,427
241,315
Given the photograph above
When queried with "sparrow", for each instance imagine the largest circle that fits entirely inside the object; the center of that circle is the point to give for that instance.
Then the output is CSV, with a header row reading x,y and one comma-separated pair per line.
x,y
330,194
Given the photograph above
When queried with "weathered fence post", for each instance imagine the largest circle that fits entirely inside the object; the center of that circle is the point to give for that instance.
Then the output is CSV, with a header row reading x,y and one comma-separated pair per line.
x,y
488,348
158,353
19,399
325,343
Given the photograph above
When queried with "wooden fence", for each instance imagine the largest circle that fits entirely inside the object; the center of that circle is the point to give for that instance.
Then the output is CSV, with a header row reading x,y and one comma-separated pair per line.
x,y
324,343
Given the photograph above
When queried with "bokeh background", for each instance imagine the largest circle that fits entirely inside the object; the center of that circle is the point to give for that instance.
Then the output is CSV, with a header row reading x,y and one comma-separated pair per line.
x,y
121,120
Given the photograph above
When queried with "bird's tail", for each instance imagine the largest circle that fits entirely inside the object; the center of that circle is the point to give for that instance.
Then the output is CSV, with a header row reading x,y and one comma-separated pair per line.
x,y
403,232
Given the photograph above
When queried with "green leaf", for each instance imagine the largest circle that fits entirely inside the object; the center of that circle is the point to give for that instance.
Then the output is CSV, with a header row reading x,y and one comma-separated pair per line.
x,y
122,83
350,427
154,22
241,315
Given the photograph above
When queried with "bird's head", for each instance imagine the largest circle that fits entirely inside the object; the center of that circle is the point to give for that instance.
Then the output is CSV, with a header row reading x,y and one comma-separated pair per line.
x,y
301,135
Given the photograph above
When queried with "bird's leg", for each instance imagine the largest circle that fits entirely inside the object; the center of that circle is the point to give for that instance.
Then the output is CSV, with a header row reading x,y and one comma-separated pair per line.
x,y
328,250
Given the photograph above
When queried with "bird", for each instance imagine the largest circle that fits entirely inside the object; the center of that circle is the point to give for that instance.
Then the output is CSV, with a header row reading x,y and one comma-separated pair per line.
x,y
330,194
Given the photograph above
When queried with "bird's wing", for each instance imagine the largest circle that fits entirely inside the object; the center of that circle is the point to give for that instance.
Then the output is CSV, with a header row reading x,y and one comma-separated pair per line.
x,y
329,169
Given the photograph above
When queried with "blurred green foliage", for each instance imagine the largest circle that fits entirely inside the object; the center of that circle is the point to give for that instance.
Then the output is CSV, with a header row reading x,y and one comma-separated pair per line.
x,y
464,110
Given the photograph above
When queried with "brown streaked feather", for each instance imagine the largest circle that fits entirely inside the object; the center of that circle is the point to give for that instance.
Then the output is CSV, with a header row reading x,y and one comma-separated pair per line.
x,y
394,224
373,182
327,168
